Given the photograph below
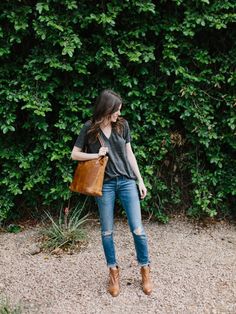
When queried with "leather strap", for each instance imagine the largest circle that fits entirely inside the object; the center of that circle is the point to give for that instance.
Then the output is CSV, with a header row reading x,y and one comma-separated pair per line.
x,y
101,140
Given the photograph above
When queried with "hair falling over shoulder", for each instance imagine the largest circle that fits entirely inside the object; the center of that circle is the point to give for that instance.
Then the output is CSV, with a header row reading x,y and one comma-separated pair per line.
x,y
106,104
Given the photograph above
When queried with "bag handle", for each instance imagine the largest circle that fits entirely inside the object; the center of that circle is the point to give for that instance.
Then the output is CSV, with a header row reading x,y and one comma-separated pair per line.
x,y
101,140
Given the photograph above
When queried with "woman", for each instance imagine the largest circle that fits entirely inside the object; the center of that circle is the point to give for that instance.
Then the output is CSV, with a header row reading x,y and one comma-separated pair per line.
x,y
120,181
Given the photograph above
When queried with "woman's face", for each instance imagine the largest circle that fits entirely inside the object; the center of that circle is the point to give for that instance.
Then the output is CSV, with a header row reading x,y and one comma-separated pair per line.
x,y
115,114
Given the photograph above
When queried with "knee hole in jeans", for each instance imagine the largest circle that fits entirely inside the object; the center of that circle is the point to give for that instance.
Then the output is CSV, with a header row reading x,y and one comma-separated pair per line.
x,y
138,231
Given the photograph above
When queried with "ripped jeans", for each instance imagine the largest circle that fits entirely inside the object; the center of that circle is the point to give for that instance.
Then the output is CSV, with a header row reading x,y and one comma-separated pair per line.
x,y
125,189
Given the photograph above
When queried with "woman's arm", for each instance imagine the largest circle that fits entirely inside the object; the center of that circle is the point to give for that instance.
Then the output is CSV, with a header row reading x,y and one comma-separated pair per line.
x,y
77,154
134,165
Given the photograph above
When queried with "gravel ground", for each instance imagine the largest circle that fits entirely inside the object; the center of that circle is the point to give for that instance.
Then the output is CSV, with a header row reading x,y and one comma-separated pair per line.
x,y
193,270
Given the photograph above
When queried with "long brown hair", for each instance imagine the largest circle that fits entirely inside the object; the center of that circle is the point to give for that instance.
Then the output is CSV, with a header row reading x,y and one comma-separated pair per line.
x,y
107,103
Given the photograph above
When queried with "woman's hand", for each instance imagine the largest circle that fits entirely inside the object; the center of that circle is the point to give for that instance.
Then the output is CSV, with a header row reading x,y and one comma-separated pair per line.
x,y
102,151
142,189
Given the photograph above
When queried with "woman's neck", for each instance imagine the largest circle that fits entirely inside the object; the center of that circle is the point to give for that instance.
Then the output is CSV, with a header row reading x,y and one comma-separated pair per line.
x,y
105,124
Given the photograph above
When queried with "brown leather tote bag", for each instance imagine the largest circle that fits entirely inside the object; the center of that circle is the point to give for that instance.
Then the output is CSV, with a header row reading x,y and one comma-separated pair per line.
x,y
89,175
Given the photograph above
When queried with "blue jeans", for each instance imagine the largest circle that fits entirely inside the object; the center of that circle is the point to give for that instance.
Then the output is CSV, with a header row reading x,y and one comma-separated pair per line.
x,y
125,189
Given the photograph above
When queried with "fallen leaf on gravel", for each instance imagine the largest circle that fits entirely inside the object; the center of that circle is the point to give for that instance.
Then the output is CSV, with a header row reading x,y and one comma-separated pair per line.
x,y
57,251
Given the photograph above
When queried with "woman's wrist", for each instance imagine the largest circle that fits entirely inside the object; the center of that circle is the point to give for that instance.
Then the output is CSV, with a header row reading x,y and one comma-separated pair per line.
x,y
140,180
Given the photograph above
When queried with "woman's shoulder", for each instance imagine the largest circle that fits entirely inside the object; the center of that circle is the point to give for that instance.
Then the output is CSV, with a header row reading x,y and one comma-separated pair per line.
x,y
85,127
124,122
125,126
87,124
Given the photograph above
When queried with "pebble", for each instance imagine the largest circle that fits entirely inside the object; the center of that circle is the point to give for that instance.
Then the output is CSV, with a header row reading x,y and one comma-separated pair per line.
x,y
34,249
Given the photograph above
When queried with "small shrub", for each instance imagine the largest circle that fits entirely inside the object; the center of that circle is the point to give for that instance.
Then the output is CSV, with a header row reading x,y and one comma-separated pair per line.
x,y
12,228
67,231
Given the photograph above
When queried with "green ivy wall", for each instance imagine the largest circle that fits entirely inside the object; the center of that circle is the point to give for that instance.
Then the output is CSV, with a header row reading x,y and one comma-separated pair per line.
x,y
174,64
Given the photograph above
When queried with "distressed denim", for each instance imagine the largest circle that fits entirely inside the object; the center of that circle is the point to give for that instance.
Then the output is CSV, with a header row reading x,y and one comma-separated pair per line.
x,y
126,190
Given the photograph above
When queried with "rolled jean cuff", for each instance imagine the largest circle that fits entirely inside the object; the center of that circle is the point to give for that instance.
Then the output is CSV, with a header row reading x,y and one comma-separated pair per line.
x,y
144,264
112,265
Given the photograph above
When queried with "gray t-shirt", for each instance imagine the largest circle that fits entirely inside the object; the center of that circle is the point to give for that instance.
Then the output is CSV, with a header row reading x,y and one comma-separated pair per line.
x,y
118,164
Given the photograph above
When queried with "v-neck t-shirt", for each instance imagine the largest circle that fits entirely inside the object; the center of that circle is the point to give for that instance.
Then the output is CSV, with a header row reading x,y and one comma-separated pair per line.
x,y
118,164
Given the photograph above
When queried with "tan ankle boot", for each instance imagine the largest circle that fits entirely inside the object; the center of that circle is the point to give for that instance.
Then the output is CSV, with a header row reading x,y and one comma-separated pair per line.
x,y
146,281
114,284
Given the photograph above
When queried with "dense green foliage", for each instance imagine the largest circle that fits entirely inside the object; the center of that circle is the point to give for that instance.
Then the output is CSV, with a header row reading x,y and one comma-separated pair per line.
x,y
173,62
